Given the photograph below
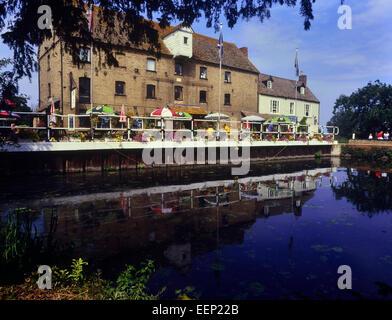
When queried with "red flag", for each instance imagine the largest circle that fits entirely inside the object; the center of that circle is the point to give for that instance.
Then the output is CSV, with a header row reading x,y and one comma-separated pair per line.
x,y
91,19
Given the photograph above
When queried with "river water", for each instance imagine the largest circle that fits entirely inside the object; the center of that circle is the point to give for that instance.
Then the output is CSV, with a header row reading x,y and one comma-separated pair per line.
x,y
279,233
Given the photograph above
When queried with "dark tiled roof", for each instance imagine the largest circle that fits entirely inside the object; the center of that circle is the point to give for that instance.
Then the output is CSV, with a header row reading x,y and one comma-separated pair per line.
x,y
190,109
284,88
206,49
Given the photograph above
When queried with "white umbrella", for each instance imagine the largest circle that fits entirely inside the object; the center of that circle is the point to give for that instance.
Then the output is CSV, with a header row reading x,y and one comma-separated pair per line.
x,y
253,119
216,116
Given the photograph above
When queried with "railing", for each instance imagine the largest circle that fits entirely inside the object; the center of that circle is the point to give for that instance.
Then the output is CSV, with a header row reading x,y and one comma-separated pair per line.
x,y
110,127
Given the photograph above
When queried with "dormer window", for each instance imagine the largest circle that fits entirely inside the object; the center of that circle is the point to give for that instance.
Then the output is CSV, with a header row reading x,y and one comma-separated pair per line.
x,y
269,84
302,90
185,40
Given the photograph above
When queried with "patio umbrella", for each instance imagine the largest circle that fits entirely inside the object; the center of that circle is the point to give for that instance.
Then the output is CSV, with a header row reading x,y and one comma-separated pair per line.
x,y
253,119
52,116
9,114
216,116
163,112
101,110
279,119
183,114
123,118
5,103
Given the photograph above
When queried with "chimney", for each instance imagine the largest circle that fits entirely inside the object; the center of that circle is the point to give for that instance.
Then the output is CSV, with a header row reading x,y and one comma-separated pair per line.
x,y
302,78
244,50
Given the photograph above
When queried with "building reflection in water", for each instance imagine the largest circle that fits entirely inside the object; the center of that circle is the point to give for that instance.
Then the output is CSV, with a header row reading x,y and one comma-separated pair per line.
x,y
174,224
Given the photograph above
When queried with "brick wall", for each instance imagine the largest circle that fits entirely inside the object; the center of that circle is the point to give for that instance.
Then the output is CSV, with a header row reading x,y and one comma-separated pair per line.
x,y
242,89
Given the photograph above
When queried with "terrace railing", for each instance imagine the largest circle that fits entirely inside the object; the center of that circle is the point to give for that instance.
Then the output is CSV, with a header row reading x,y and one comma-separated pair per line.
x,y
107,127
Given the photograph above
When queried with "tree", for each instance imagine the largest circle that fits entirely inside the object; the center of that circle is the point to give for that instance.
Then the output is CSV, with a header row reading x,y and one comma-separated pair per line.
x,y
9,89
69,21
366,110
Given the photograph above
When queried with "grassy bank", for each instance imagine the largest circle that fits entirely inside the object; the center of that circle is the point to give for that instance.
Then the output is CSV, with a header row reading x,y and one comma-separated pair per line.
x,y
381,157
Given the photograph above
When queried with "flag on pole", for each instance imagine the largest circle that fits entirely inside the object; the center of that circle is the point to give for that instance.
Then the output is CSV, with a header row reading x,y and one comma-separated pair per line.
x,y
296,63
220,44
91,19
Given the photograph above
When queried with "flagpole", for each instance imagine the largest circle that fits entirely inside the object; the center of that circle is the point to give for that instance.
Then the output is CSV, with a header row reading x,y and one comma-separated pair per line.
x,y
296,80
220,80
91,27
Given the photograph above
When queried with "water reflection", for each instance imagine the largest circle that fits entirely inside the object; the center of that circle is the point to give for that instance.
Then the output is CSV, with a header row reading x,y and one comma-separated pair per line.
x,y
279,235
370,191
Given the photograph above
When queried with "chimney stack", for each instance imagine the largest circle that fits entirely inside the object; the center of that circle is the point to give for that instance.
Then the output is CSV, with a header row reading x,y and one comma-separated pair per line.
x,y
302,78
244,50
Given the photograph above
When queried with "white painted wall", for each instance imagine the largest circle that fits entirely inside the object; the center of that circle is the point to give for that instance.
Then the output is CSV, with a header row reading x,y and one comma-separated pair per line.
x,y
284,109
175,42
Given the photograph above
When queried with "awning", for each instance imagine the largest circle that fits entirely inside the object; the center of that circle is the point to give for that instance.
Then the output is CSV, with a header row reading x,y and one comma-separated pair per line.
x,y
193,110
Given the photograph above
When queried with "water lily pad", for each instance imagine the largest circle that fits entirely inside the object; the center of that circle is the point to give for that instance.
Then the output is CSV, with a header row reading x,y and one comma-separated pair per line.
x,y
217,267
256,288
324,258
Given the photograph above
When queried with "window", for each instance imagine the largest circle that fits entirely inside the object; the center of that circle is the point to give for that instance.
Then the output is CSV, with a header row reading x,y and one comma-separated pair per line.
x,y
185,40
150,91
203,73
274,107
203,96
269,84
227,99
120,88
150,64
307,110
48,61
302,90
49,90
71,122
227,77
84,90
178,69
84,54
291,107
178,93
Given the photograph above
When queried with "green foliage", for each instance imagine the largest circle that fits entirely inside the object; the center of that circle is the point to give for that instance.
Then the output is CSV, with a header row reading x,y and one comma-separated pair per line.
x,y
131,284
72,276
366,110
23,34
303,127
318,154
18,238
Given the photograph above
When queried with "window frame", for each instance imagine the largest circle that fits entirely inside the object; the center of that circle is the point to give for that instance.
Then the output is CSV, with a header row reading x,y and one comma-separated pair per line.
x,y
205,96
88,57
123,88
71,116
83,98
155,65
154,91
48,60
307,114
293,105
229,80
175,69
224,99
272,105
302,90
181,97
186,40
269,84
205,77
49,90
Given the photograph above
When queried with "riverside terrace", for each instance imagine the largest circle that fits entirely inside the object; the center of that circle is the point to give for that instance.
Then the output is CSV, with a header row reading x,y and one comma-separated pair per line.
x,y
148,141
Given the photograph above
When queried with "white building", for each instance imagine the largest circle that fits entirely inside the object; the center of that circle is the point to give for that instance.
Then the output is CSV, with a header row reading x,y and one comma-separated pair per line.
x,y
285,97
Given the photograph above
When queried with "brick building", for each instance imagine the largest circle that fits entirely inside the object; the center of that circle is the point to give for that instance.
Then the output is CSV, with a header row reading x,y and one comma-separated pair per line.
x,y
186,75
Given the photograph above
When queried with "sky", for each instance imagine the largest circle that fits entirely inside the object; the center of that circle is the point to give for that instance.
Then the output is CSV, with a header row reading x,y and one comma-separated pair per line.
x,y
335,61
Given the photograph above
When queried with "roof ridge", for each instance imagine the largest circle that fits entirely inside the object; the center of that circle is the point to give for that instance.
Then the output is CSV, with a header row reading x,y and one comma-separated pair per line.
x,y
211,38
